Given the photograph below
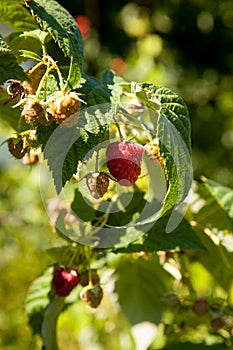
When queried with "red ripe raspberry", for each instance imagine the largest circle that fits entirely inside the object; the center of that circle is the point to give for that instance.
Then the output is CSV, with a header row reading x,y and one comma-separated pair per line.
x,y
64,280
124,161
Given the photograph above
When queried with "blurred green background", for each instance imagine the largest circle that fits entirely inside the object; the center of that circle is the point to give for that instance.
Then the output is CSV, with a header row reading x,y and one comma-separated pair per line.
x,y
186,45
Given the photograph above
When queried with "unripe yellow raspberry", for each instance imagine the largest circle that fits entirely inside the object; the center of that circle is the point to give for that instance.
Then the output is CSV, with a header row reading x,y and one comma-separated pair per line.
x,y
62,107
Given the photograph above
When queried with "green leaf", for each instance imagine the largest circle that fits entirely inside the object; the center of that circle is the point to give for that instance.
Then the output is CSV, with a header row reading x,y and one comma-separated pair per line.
x,y
74,80
173,108
171,125
216,259
79,150
66,147
15,15
37,300
90,83
54,19
222,194
24,41
123,217
65,254
27,41
175,144
43,308
9,68
108,77
178,164
82,209
147,282
29,54
182,238
208,209
56,150
98,95
37,34
44,133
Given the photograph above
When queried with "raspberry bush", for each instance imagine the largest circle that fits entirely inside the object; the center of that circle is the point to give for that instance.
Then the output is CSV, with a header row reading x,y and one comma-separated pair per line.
x,y
128,236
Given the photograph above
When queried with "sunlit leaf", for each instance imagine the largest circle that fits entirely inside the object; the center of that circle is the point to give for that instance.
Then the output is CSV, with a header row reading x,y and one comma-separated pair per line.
x,y
182,238
29,54
37,300
15,15
53,18
216,259
208,210
141,289
223,196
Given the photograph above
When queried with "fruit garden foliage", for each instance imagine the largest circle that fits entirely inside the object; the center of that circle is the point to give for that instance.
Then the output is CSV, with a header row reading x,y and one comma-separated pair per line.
x,y
158,239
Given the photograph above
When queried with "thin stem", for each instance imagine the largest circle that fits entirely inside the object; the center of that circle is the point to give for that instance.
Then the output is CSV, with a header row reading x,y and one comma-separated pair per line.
x,y
55,66
45,77
118,128
43,45
90,277
97,162
36,67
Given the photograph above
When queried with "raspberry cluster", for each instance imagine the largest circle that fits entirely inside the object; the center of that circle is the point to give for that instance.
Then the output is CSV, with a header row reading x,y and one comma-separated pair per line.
x,y
65,279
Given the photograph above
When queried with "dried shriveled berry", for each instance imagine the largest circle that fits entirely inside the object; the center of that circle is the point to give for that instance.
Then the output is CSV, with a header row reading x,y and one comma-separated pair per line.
x,y
16,148
15,89
124,161
34,112
62,107
97,184
64,280
102,183
92,295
